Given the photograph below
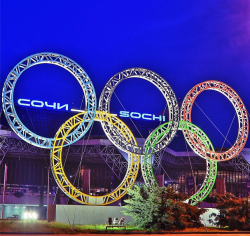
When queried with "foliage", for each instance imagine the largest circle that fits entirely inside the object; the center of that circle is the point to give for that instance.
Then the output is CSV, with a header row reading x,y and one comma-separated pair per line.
x,y
234,212
161,208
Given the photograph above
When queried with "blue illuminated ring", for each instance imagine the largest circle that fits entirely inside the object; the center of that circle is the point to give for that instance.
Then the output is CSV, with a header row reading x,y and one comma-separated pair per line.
x,y
76,70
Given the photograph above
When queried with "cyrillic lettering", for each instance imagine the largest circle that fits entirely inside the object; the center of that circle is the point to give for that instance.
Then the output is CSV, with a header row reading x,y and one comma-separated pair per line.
x,y
21,102
60,107
39,103
51,106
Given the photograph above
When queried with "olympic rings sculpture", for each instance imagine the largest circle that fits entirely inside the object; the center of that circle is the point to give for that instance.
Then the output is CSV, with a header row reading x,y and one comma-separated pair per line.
x,y
119,134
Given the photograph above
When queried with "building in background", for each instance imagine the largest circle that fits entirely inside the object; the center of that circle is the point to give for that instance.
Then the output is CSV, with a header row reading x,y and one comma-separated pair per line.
x,y
95,165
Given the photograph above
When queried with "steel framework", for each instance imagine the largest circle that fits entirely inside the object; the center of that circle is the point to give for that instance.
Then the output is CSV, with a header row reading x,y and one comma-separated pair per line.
x,y
18,147
108,153
56,59
240,164
58,170
211,165
165,89
241,112
13,147
3,148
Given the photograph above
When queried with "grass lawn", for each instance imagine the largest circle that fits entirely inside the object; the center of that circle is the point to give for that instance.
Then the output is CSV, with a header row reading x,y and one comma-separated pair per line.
x,y
22,226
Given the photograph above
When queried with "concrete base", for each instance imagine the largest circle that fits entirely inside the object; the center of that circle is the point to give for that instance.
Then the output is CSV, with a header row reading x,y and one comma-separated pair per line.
x,y
77,214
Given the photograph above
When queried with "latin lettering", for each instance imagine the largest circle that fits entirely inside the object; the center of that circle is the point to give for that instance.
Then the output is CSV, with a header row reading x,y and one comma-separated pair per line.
x,y
21,102
124,114
146,116
36,103
135,115
155,117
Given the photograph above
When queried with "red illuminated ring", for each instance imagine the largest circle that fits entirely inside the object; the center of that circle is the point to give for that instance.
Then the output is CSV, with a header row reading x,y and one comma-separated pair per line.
x,y
241,112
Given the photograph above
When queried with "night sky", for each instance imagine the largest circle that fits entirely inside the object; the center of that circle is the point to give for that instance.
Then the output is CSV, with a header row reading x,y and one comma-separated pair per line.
x,y
185,42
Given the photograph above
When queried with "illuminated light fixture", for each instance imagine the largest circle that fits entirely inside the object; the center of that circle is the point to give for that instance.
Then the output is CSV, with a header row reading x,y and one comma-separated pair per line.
x,y
25,215
30,215
34,215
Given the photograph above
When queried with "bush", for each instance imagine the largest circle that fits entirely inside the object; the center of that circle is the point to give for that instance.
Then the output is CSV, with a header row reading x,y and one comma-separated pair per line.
x,y
234,212
161,208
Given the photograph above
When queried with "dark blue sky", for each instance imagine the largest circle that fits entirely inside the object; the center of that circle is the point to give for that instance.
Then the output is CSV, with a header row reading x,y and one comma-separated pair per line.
x,y
186,42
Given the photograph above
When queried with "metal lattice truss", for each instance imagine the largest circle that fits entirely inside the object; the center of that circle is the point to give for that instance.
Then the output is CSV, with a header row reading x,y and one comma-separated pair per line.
x,y
108,153
182,160
114,161
240,164
18,147
165,89
65,184
211,165
3,148
56,59
158,156
241,112
207,184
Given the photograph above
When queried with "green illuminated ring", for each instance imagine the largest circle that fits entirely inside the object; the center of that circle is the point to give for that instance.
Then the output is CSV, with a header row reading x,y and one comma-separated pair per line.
x,y
146,162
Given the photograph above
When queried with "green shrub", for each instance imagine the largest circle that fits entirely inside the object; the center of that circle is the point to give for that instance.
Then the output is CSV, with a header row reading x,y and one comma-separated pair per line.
x,y
161,208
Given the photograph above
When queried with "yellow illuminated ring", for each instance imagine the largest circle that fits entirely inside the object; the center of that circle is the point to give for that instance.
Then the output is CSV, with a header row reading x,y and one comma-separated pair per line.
x,y
57,165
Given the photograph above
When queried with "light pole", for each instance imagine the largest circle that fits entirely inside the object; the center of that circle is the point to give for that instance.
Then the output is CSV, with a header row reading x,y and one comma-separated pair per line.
x,y
48,196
